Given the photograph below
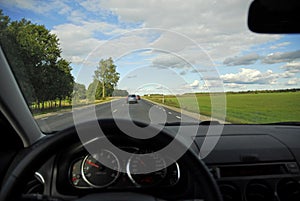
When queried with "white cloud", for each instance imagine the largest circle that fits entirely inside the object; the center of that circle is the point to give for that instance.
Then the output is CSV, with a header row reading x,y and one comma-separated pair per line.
x,y
279,45
287,74
76,16
293,81
293,67
220,28
75,59
91,5
78,41
290,69
250,76
41,7
235,86
194,84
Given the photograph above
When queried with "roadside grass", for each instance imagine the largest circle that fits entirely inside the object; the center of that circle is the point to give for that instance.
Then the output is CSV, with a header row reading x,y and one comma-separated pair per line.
x,y
247,108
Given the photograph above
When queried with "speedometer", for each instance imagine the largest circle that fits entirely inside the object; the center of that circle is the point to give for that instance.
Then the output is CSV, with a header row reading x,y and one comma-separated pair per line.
x,y
146,170
98,175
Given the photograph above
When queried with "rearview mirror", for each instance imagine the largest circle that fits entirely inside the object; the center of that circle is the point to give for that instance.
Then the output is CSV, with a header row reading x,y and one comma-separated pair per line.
x,y
274,16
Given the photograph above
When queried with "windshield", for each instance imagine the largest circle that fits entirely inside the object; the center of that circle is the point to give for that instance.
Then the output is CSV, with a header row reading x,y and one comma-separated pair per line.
x,y
152,61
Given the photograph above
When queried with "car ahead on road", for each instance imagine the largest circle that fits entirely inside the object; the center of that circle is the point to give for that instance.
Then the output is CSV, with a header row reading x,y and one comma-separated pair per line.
x,y
132,98
87,154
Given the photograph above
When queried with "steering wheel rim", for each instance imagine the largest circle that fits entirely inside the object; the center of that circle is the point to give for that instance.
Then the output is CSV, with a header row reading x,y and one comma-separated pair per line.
x,y
34,156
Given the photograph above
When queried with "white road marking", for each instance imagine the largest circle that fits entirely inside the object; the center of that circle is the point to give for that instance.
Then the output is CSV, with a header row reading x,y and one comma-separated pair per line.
x,y
44,118
170,112
61,114
178,117
164,110
115,110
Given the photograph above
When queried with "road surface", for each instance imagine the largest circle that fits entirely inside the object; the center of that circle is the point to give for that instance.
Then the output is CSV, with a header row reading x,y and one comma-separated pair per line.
x,y
144,111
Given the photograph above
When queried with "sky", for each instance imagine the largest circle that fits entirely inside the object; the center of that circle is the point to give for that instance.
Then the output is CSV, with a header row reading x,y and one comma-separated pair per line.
x,y
169,46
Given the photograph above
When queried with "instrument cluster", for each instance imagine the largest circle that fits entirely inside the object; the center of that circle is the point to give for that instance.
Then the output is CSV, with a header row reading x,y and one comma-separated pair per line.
x,y
86,172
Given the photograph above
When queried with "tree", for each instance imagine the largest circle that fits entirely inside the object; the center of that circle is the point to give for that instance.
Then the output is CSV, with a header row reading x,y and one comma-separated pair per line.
x,y
94,90
64,80
34,55
79,91
107,75
120,92
13,53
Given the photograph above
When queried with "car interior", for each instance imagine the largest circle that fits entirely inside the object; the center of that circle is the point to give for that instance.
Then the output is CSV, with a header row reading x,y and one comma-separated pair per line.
x,y
249,162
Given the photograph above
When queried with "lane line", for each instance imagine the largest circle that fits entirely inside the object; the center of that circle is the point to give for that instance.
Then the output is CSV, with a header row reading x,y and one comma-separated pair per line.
x,y
44,118
164,110
178,117
115,110
170,112
60,114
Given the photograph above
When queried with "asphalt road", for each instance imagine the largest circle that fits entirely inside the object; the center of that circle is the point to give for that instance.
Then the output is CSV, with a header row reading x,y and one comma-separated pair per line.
x,y
144,111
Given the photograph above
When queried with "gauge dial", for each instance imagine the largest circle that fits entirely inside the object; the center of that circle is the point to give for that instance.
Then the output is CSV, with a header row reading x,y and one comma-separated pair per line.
x,y
146,170
76,176
98,175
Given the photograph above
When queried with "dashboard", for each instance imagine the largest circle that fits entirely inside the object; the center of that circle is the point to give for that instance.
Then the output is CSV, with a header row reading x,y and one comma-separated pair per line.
x,y
256,162
86,172
76,172
249,163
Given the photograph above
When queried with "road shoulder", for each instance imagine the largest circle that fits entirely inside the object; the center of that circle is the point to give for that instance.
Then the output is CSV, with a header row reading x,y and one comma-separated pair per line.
x,y
190,114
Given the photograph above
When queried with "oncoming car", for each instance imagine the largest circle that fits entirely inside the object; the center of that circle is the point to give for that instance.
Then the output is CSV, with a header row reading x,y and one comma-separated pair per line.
x,y
220,109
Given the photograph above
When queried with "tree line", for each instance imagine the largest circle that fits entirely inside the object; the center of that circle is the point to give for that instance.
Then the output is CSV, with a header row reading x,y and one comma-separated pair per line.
x,y
35,58
264,91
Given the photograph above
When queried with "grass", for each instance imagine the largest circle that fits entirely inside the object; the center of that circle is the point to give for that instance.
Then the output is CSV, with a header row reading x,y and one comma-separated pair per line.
x,y
245,108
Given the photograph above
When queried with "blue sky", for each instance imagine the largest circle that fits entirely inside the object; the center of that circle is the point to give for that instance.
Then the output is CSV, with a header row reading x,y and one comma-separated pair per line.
x,y
159,46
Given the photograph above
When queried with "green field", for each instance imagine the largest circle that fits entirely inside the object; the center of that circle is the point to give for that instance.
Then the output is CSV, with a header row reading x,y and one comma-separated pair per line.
x,y
247,108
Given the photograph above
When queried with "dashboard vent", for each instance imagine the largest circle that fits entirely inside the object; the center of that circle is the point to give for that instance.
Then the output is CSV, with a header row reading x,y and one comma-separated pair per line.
x,y
230,192
288,189
258,190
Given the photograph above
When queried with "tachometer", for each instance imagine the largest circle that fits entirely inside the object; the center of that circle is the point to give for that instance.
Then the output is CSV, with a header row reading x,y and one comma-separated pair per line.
x,y
146,170
98,175
76,175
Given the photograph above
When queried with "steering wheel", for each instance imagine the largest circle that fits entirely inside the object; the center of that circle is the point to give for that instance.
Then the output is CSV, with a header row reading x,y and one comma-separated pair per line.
x,y
28,161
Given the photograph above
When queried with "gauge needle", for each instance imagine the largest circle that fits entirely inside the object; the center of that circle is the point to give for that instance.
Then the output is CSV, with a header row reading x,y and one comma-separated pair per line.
x,y
92,164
